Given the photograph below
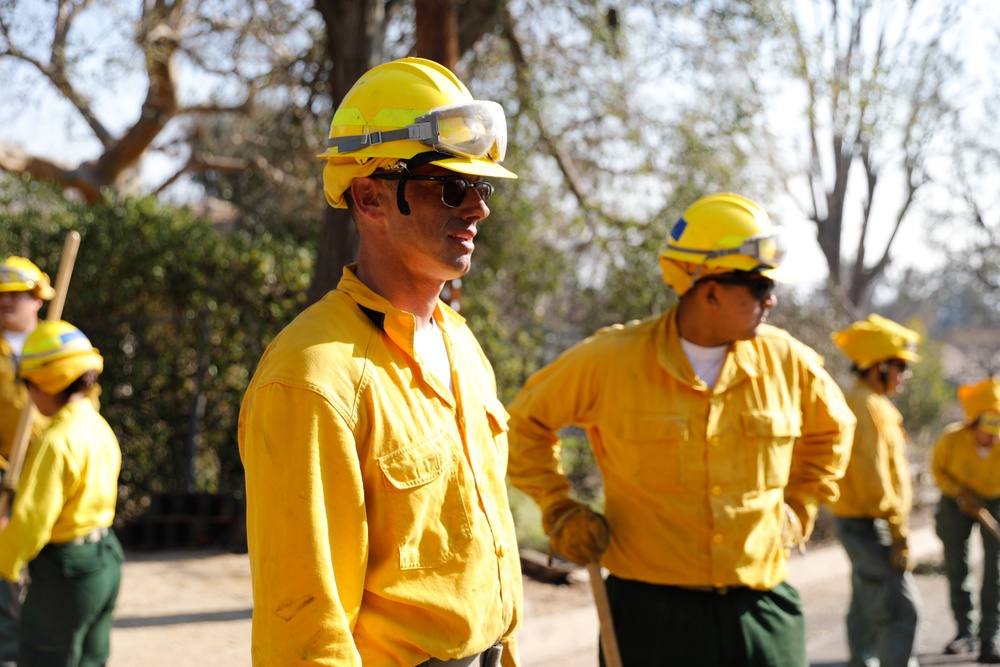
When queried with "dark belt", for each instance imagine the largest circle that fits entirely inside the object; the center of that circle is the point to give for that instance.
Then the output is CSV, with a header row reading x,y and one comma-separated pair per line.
x,y
488,658
93,537
716,590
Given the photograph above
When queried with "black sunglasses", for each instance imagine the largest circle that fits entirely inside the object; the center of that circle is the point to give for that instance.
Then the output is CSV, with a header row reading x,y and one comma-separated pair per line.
x,y
760,287
453,188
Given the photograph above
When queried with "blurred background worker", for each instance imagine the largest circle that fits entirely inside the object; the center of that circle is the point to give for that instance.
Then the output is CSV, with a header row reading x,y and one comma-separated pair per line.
x,y
717,436
373,440
23,290
876,496
60,525
966,467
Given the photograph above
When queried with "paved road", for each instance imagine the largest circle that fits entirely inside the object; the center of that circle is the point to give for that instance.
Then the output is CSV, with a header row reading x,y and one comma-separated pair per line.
x,y
193,609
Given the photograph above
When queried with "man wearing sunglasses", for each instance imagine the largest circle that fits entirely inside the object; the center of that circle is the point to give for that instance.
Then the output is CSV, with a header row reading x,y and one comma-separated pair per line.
x,y
966,467
717,437
876,496
373,440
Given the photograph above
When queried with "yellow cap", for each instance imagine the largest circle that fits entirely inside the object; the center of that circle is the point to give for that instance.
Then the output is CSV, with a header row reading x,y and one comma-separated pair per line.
x,y
877,339
19,274
982,397
55,355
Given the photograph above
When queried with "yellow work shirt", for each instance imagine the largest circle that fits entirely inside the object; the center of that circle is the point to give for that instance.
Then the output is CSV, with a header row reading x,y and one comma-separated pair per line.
x,y
68,487
694,477
956,463
877,483
377,515
13,397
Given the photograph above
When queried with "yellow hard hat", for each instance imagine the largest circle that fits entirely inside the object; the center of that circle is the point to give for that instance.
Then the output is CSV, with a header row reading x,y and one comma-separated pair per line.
x,y
55,355
19,274
876,339
982,401
413,110
720,233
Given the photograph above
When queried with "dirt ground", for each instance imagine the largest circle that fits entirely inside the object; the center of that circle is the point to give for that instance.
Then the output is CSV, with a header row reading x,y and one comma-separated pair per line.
x,y
193,608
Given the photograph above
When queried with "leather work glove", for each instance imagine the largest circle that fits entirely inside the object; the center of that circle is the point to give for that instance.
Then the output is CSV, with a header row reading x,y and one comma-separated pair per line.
x,y
791,529
899,554
577,533
968,503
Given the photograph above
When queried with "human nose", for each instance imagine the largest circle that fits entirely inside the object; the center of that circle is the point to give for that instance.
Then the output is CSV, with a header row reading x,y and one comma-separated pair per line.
x,y
474,207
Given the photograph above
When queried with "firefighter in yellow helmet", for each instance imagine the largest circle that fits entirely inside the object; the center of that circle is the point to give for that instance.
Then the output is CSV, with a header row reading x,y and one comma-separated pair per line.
x,y
872,513
24,288
60,525
966,467
373,440
717,437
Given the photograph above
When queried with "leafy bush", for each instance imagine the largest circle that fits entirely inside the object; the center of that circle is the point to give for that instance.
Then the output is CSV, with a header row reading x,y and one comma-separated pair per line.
x,y
181,314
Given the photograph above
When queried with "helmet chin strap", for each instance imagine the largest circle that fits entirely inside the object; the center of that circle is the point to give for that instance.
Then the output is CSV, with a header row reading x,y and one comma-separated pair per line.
x,y
415,162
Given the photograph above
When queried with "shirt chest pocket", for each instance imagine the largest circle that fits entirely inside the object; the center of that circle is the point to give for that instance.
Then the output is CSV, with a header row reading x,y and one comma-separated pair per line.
x,y
769,437
427,502
654,448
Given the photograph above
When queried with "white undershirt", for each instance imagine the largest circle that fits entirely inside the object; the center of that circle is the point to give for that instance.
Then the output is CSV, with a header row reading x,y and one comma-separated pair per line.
x,y
706,361
430,348
16,340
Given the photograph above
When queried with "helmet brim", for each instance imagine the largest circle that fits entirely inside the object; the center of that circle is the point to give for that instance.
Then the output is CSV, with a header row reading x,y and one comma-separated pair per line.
x,y
475,167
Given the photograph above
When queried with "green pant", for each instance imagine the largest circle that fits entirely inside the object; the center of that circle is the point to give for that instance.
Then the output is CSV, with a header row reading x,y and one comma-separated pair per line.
x,y
954,529
10,613
882,619
66,618
668,625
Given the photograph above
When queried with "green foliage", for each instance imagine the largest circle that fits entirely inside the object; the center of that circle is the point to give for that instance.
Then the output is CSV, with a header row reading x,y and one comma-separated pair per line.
x,y
180,313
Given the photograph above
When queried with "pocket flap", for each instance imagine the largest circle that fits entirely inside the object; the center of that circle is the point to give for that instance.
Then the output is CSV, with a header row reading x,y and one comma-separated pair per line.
x,y
641,426
770,423
416,465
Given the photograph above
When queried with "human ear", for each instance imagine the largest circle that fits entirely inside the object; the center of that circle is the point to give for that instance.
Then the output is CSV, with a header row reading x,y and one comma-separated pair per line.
x,y
366,194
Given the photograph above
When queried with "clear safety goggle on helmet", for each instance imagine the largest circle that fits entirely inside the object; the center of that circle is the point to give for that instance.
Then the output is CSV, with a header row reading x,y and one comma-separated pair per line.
x,y
9,274
766,249
989,422
471,130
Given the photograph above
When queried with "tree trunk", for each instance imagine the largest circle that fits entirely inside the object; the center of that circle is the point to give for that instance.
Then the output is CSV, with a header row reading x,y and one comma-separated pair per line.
x,y
355,33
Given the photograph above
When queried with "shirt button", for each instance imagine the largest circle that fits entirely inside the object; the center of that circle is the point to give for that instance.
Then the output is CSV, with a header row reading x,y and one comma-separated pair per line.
x,y
714,442
502,551
716,490
717,539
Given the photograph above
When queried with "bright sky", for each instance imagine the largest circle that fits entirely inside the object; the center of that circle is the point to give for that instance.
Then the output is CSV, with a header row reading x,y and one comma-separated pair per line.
x,y
45,125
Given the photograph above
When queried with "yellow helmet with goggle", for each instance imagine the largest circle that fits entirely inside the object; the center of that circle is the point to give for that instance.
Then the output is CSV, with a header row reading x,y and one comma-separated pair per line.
x,y
717,234
19,274
417,112
55,354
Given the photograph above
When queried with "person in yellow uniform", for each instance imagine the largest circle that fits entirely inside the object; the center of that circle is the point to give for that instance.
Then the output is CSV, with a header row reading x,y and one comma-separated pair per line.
x,y
374,444
24,288
60,524
873,511
966,467
717,437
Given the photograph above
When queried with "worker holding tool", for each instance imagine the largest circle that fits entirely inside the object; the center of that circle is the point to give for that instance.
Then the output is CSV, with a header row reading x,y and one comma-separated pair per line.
x,y
717,437
374,444
24,288
876,496
60,525
966,467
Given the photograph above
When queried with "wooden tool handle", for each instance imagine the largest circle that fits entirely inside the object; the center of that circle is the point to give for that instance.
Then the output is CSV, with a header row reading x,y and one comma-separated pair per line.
x,y
19,447
609,641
